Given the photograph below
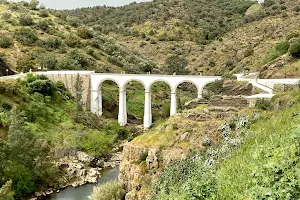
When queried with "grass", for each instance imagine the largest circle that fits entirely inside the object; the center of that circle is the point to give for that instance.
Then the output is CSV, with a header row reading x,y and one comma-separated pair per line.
x,y
273,129
167,133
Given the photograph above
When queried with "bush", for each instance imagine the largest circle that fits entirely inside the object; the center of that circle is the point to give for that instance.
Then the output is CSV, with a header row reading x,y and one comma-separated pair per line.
x,y
33,4
5,41
294,48
85,33
228,76
280,49
26,36
109,191
43,25
44,13
248,52
186,179
177,64
212,63
25,20
72,40
97,144
73,21
262,104
52,43
48,61
6,16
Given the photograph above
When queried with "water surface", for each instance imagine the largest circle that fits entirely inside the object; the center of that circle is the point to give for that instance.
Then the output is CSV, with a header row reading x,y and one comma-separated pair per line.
x,y
82,192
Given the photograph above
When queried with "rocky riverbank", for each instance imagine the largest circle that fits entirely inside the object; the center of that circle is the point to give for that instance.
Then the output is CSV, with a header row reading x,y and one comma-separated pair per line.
x,y
80,169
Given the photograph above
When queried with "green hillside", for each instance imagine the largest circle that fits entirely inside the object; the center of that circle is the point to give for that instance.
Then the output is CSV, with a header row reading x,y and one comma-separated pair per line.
x,y
213,36
32,37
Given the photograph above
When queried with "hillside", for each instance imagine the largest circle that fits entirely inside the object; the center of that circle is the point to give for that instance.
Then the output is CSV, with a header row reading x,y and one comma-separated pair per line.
x,y
31,37
200,37
213,36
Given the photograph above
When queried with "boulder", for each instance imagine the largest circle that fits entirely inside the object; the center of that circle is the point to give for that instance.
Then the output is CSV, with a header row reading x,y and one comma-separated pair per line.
x,y
83,157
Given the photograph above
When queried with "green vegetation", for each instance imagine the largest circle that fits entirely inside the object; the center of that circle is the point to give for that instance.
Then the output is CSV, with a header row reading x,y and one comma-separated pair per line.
x,y
260,162
109,191
291,45
161,97
32,108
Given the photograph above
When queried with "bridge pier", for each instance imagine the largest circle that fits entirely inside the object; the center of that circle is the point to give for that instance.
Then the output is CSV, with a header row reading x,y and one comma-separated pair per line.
x,y
122,117
100,111
147,110
173,109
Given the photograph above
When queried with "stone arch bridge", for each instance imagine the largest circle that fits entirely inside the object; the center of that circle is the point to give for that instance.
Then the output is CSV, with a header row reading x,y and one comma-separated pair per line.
x,y
92,95
147,81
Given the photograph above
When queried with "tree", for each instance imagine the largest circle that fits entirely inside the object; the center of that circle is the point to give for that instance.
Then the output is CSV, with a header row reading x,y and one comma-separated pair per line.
x,y
176,64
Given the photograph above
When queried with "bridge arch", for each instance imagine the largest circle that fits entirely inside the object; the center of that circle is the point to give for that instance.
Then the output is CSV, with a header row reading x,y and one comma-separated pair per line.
x,y
108,79
131,80
160,80
188,81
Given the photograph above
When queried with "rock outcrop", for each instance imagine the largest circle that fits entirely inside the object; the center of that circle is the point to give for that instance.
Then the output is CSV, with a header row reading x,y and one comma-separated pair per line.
x,y
140,162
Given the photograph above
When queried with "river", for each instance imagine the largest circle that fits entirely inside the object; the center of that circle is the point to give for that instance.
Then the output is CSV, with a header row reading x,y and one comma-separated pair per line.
x,y
82,192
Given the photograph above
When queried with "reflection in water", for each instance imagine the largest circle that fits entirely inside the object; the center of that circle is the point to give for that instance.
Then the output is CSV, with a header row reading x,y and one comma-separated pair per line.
x,y
82,192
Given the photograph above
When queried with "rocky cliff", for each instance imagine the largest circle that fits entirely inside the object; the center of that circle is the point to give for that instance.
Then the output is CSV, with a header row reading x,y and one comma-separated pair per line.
x,y
197,129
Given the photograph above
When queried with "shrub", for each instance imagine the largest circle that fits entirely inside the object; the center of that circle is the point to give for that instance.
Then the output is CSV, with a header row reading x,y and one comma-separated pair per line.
x,y
177,64
280,49
25,63
248,52
73,21
229,76
26,36
212,63
44,87
294,48
48,61
25,20
5,41
85,33
109,191
6,16
72,40
68,64
52,43
43,25
44,13
263,104
186,179
33,4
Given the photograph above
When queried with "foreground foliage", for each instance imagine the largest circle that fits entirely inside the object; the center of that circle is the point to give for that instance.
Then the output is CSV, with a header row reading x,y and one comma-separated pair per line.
x,y
261,162
109,191
39,123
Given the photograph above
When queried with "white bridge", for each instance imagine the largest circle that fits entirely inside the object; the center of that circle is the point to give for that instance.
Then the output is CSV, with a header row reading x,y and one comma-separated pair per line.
x,y
147,80
92,83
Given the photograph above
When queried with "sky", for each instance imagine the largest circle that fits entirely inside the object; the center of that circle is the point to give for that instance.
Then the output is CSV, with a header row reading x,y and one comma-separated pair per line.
x,y
70,4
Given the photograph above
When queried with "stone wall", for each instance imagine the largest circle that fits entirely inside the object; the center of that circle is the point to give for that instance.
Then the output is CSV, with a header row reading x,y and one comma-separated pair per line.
x,y
285,87
70,81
